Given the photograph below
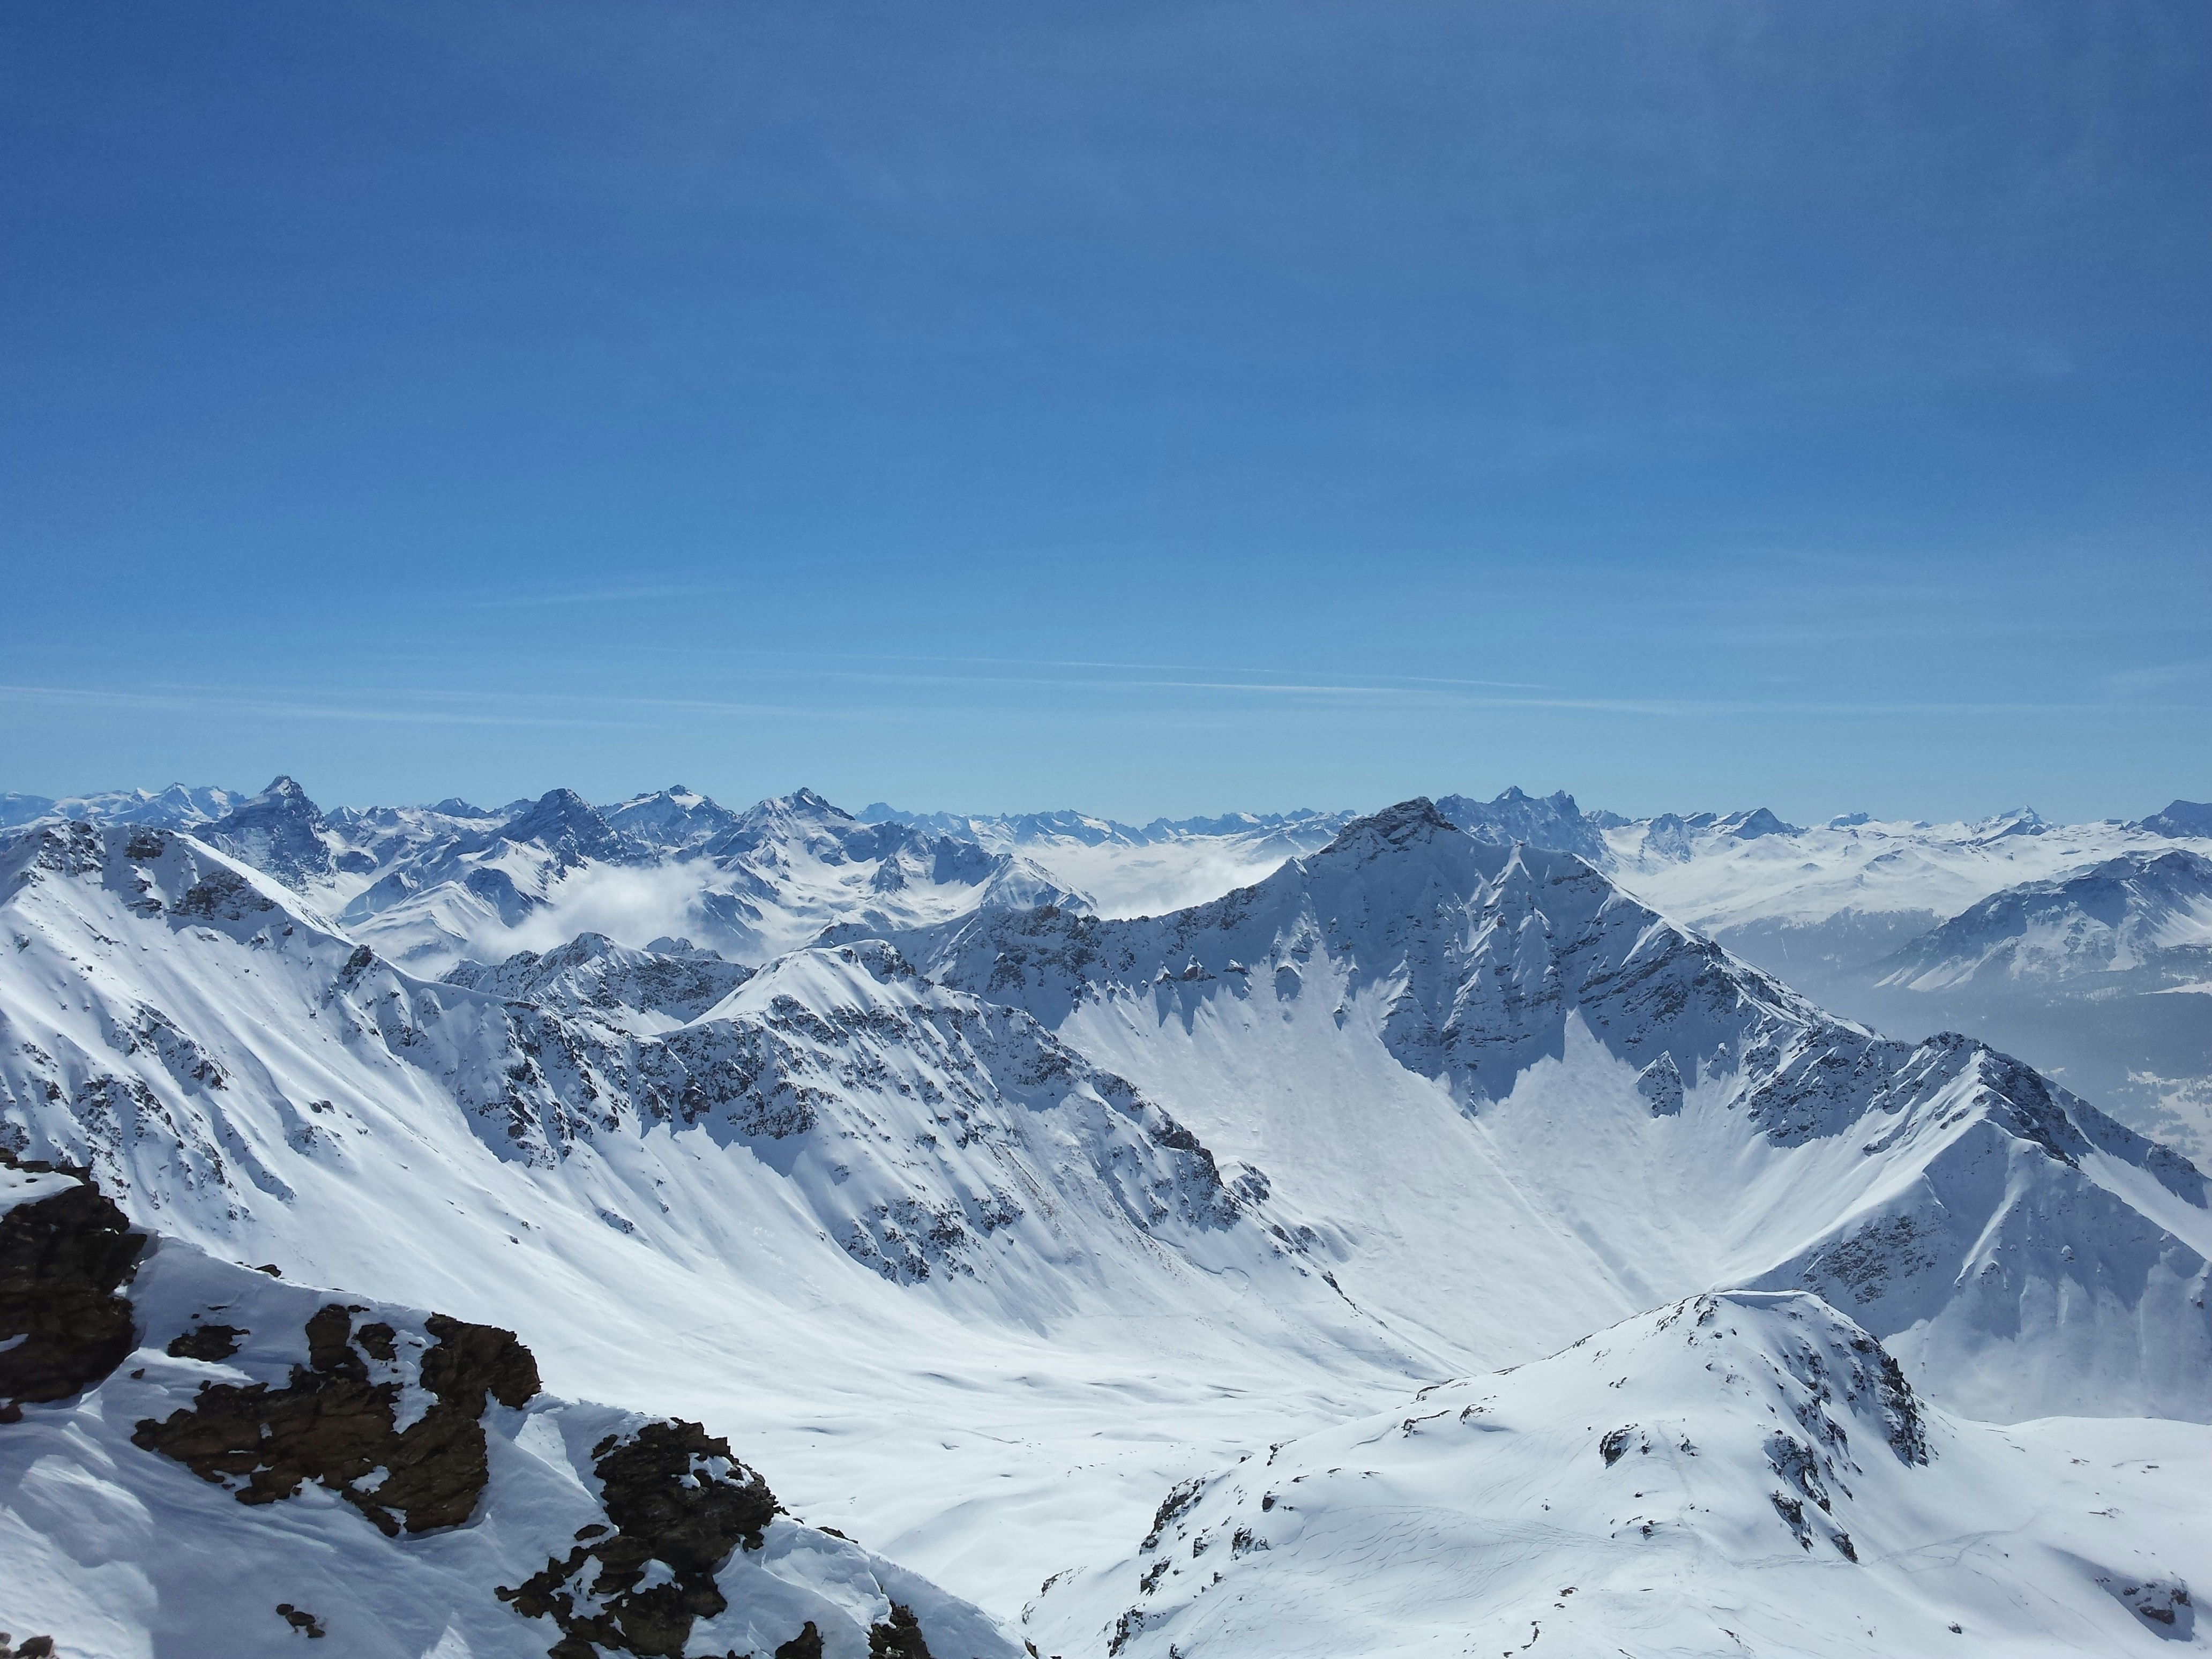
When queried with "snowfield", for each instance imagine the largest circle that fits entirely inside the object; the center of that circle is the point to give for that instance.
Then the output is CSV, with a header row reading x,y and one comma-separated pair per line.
x,y
1736,1473
983,1215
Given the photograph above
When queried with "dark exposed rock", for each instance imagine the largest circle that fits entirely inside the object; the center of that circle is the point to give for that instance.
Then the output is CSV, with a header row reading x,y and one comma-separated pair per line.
x,y
223,895
300,1619
675,1495
208,1342
1179,1499
898,1637
331,1423
60,1261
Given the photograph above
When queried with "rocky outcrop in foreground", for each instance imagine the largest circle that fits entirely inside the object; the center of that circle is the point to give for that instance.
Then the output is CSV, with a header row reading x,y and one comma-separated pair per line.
x,y
467,1500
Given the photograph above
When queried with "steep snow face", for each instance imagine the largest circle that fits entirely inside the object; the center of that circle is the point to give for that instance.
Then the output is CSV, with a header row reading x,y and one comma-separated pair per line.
x,y
2139,910
1735,1473
1507,1046
749,886
275,1463
1128,871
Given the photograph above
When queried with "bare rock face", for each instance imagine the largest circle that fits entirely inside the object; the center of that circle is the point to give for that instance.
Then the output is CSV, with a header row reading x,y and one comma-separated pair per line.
x,y
675,1495
898,1638
206,1342
61,1259
336,1424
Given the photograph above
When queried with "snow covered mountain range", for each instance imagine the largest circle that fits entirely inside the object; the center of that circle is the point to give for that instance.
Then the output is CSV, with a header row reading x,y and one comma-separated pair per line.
x,y
982,1210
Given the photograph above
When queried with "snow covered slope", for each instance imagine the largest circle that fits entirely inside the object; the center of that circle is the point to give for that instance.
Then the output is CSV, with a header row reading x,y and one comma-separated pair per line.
x,y
1736,1473
1428,1040
207,1048
195,1456
907,1230
2140,910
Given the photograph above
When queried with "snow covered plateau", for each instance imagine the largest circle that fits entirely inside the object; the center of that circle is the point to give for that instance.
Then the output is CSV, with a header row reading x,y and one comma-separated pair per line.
x,y
1451,1230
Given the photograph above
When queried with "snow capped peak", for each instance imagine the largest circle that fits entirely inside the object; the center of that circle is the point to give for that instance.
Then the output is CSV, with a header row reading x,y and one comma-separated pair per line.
x,y
1409,824
279,831
802,818
2013,820
564,823
675,818
176,807
454,807
1750,826
1553,821
2182,819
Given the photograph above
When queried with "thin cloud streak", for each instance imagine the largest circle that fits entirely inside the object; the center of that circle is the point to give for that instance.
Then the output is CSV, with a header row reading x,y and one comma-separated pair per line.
x,y
448,706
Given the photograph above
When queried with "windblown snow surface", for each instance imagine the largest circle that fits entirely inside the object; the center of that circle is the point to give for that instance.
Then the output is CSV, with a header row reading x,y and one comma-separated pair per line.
x,y
982,1224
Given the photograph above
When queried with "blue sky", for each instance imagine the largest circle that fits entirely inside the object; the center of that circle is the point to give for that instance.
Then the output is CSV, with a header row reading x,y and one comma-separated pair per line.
x,y
1146,407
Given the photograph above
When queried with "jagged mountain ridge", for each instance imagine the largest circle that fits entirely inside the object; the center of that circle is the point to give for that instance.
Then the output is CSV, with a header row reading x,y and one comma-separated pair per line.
x,y
178,1080
1521,985
669,983
1839,910
1554,823
748,885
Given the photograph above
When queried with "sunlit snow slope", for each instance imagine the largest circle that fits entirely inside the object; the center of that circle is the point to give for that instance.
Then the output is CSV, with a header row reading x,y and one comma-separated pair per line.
x,y
1733,1474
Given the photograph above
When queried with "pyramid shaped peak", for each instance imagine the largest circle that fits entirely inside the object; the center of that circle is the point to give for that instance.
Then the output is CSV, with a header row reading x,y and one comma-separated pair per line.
x,y
563,815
